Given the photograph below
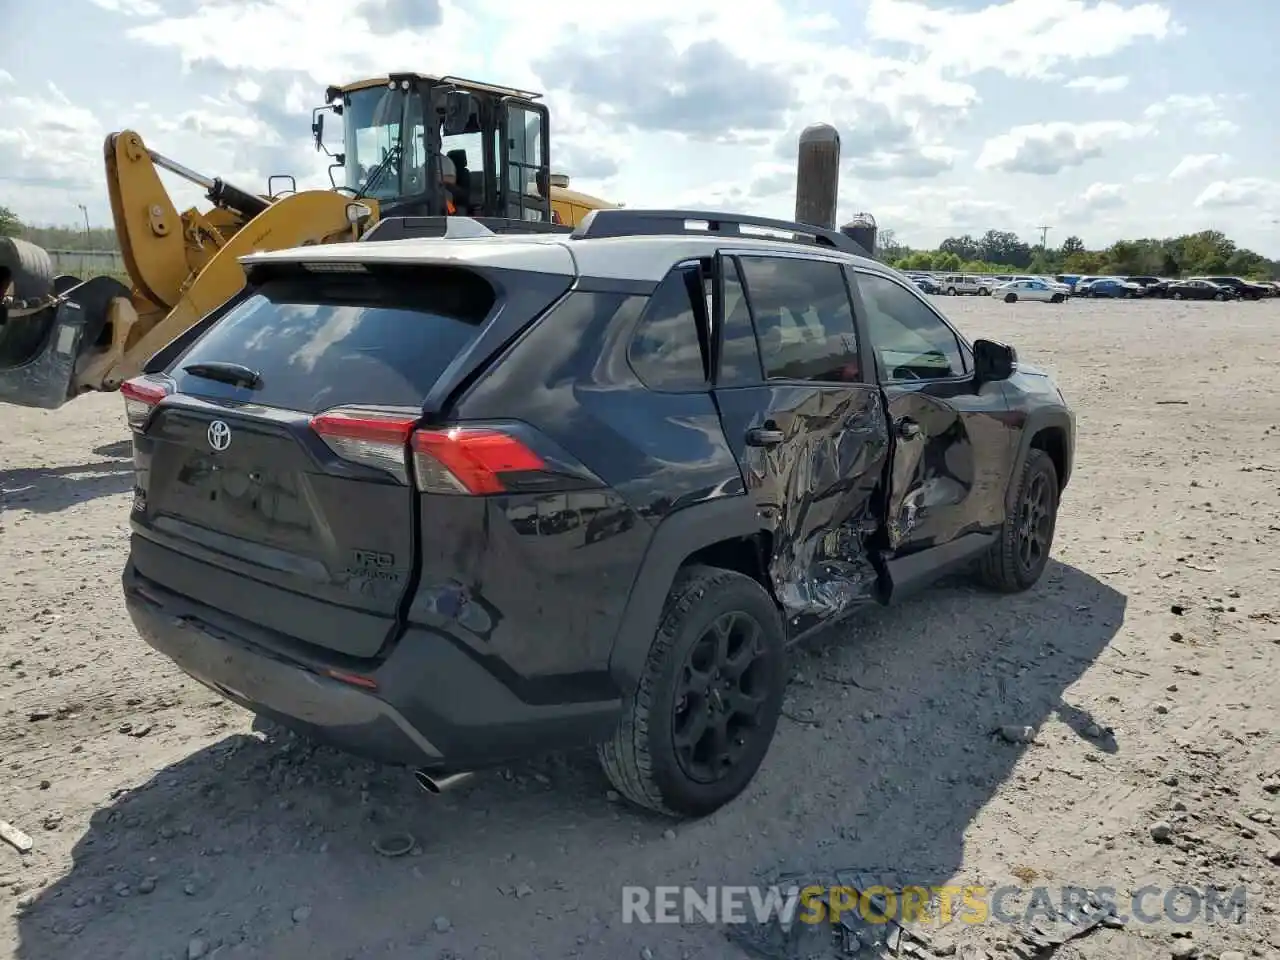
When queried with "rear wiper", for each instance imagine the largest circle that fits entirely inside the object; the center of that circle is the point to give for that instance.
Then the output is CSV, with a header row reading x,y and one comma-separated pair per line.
x,y
236,374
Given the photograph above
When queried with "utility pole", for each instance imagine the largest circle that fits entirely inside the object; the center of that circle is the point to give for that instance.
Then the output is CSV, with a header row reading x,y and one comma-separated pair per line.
x,y
85,211
1044,237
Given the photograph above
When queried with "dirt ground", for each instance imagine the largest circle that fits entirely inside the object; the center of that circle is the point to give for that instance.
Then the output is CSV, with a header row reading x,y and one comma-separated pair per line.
x,y
1145,662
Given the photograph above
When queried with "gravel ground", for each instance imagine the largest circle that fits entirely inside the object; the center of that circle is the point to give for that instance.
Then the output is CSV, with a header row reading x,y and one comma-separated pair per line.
x,y
1144,662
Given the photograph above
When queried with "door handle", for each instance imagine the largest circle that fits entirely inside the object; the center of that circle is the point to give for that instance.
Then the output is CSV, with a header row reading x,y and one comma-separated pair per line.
x,y
763,437
908,429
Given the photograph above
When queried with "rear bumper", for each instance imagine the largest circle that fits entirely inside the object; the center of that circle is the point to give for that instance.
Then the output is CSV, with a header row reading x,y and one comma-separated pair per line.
x,y
428,704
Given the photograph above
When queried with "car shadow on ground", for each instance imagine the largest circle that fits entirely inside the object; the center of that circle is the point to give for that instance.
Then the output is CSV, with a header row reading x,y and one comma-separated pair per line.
x,y
50,489
886,754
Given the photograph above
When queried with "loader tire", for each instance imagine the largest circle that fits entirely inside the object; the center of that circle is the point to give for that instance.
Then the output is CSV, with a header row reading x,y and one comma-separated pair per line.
x,y
28,267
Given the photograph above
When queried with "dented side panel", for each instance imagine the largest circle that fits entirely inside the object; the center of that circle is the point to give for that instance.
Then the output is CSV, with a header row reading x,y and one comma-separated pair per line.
x,y
948,479
815,490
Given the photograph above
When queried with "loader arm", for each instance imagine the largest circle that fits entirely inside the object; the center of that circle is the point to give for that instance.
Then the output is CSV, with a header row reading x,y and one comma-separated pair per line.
x,y
147,223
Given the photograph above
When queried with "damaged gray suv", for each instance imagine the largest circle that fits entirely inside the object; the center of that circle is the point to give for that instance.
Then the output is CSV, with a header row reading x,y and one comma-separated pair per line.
x,y
467,497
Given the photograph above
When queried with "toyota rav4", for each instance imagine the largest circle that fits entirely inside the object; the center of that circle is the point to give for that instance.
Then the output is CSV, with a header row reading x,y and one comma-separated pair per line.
x,y
458,499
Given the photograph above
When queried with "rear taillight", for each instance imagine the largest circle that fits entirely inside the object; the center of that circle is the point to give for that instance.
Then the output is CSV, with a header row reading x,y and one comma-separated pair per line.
x,y
141,395
468,460
459,460
374,439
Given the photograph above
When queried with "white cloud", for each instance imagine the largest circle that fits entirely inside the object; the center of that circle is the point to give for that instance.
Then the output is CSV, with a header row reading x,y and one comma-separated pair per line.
x,y
1049,148
1098,84
1019,38
1204,113
1195,163
130,8
1102,196
689,102
1217,127
1255,192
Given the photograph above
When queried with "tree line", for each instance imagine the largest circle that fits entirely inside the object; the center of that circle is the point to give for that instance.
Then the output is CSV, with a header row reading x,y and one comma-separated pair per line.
x,y
57,238
1208,252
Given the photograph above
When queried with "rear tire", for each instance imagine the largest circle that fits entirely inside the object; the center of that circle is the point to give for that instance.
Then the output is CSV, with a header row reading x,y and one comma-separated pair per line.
x,y
1219,296
1019,555
28,267
1177,295
1010,298
641,759
951,291
984,292
1057,298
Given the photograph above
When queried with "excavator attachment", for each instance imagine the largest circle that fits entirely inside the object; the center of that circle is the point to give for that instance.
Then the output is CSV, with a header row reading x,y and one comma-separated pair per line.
x,y
60,338
416,146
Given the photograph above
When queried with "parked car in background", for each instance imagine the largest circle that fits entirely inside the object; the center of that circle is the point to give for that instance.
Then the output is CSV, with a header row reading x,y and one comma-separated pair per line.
x,y
1016,290
961,284
926,284
1247,289
1146,283
1272,285
1158,289
1199,290
1112,287
1053,284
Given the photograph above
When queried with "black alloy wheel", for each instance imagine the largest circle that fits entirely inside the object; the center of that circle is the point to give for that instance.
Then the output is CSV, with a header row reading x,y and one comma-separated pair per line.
x,y
720,697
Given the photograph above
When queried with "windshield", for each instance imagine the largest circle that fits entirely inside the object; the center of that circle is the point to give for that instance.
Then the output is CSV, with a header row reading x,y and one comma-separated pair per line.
x,y
374,124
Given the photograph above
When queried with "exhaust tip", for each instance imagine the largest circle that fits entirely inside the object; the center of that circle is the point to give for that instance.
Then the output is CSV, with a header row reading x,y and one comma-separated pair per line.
x,y
436,784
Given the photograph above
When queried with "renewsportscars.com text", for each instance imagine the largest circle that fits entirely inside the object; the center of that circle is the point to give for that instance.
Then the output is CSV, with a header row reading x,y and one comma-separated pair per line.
x,y
1179,904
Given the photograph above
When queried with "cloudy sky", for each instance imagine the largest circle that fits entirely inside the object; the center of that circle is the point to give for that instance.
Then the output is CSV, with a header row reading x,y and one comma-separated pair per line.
x,y
1103,119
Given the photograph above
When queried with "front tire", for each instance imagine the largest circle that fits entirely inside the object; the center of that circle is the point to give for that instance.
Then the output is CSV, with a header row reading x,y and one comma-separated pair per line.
x,y
1219,296
1021,552
702,718
951,291
1057,298
984,292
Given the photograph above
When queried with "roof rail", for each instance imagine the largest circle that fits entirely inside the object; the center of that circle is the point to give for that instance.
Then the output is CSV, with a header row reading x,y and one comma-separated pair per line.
x,y
630,223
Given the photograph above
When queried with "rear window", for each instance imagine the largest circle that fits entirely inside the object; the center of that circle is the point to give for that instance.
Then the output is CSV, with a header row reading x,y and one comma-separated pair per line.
x,y
327,340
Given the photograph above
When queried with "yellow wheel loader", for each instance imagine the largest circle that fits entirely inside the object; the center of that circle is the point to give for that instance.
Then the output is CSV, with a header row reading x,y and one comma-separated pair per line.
x,y
413,145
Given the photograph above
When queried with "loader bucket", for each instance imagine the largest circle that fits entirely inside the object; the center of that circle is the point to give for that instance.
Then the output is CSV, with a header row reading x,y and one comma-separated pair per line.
x,y
42,341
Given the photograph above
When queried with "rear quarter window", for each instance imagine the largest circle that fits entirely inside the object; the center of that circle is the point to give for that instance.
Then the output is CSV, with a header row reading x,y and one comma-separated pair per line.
x,y
330,340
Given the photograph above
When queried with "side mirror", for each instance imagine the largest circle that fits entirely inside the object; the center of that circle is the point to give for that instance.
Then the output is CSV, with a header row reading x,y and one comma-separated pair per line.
x,y
993,361
317,129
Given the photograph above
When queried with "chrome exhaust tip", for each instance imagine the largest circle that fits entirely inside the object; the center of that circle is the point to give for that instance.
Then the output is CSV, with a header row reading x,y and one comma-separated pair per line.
x,y
437,784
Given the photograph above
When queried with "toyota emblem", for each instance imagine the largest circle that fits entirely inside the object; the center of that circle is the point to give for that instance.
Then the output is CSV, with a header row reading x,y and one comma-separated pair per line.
x,y
219,435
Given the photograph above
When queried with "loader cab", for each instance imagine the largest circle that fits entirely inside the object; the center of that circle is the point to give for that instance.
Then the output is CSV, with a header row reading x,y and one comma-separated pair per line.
x,y
430,146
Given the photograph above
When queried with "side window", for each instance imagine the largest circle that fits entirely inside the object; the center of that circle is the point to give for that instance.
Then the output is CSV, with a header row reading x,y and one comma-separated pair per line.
x,y
910,340
803,319
666,351
739,354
